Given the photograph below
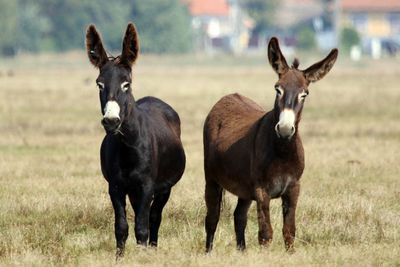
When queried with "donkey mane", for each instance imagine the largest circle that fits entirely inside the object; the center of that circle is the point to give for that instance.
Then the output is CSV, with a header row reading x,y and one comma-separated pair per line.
x,y
110,57
118,61
295,63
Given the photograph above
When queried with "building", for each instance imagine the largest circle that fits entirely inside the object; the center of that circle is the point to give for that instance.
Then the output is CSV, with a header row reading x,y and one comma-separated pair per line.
x,y
377,22
372,18
291,13
288,19
219,25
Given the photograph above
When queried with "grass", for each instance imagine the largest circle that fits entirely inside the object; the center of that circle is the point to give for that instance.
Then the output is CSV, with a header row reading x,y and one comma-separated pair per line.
x,y
55,208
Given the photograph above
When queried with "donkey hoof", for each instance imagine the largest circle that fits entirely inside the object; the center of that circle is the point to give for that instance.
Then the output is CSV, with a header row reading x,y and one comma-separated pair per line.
x,y
265,242
290,249
119,254
141,244
241,248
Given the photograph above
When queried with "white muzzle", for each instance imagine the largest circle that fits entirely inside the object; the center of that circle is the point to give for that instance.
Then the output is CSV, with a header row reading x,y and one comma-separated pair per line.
x,y
111,111
285,128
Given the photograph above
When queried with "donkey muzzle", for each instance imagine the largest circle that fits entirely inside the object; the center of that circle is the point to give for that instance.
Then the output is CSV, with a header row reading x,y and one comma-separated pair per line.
x,y
111,120
285,128
111,124
285,132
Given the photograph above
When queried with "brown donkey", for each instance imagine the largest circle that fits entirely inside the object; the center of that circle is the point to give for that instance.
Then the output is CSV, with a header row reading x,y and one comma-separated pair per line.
x,y
258,155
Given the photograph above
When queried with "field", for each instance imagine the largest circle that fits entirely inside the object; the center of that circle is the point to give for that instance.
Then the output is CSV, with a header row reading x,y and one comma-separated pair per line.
x,y
54,205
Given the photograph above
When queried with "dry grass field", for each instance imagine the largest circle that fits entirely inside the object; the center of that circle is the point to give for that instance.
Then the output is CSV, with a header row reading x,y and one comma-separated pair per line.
x,y
54,206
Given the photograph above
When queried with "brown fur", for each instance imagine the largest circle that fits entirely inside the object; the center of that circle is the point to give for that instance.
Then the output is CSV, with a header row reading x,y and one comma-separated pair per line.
x,y
244,155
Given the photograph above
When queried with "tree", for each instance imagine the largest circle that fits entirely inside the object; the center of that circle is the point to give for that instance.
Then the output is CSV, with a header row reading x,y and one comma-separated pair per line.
x,y
33,27
306,38
59,25
8,22
262,11
163,26
69,20
349,37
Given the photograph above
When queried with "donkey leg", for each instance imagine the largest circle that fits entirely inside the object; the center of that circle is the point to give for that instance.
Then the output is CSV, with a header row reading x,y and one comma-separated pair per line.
x,y
156,215
213,196
264,222
121,225
240,218
141,206
289,203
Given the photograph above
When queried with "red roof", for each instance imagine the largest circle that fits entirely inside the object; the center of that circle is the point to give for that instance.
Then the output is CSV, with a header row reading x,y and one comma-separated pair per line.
x,y
292,12
370,5
208,7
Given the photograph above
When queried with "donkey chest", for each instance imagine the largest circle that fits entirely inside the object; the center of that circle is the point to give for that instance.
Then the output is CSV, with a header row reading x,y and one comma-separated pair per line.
x,y
135,161
281,177
279,184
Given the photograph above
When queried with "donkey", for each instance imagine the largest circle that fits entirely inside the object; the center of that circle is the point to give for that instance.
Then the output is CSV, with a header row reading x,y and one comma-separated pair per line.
x,y
258,155
142,154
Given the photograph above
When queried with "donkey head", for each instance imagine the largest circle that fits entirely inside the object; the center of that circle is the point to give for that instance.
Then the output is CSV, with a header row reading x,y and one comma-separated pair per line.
x,y
114,80
292,87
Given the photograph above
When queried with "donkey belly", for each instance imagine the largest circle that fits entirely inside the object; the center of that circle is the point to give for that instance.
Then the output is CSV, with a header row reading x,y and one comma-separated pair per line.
x,y
229,133
169,156
238,186
171,167
232,172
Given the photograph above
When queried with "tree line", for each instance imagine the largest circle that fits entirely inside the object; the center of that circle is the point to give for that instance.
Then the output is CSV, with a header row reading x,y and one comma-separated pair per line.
x,y
59,25
164,26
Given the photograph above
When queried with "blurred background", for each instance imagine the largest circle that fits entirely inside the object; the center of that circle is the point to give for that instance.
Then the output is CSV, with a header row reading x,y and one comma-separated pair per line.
x,y
360,28
55,209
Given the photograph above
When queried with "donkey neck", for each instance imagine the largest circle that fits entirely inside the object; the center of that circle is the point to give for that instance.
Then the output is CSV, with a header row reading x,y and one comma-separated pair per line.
x,y
282,148
131,128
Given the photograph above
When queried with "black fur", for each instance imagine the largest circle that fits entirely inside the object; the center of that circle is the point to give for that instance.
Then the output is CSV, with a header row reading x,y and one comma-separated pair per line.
x,y
141,155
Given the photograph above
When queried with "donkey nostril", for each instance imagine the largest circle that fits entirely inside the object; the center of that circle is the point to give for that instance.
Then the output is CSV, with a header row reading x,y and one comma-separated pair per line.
x,y
284,131
110,121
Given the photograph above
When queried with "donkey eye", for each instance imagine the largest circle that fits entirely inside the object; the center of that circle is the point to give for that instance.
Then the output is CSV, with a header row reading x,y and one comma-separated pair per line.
x,y
125,86
100,85
303,95
278,90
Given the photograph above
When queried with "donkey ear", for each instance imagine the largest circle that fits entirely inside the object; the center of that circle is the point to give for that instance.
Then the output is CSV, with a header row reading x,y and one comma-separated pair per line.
x,y
130,46
94,47
320,69
276,58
